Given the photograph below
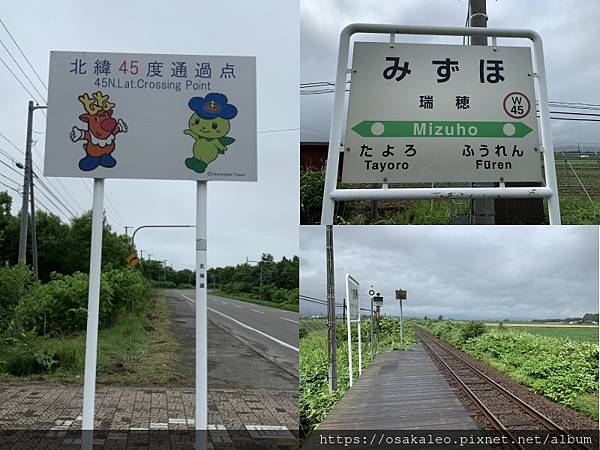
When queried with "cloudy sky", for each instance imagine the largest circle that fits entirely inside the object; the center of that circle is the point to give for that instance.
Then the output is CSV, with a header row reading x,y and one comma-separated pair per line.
x,y
501,272
245,219
567,28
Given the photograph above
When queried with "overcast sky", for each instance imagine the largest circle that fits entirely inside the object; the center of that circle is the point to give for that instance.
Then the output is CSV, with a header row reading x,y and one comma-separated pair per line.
x,y
245,219
568,29
500,272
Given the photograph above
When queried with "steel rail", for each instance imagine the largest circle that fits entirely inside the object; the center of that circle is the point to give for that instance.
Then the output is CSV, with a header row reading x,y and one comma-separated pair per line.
x,y
496,423
534,413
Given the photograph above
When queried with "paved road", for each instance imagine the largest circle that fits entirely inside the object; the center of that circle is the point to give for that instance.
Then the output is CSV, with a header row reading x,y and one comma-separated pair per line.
x,y
249,346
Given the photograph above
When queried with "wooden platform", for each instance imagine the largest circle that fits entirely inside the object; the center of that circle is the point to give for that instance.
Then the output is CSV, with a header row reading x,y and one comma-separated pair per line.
x,y
400,391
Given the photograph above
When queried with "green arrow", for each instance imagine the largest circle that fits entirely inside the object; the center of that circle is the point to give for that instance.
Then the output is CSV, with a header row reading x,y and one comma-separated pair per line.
x,y
410,128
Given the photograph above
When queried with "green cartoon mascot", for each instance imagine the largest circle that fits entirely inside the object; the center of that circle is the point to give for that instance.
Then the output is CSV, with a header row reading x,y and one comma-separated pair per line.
x,y
209,125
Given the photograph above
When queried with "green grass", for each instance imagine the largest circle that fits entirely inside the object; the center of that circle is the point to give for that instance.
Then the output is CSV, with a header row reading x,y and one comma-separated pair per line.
x,y
587,404
243,297
577,334
438,212
138,349
576,209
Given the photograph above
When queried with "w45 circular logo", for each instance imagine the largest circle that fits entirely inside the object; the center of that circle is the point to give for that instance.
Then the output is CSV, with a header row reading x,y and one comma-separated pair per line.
x,y
516,105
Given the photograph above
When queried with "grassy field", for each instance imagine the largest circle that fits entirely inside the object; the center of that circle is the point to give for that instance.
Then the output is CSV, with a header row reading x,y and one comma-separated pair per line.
x,y
577,333
248,298
138,349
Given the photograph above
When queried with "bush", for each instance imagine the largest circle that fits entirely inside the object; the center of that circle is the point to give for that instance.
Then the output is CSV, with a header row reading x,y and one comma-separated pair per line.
x,y
456,333
22,359
472,330
15,282
560,369
60,306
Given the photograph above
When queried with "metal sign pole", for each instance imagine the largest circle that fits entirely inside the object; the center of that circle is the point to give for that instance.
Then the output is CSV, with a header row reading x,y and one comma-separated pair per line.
x,y
401,325
546,134
371,335
359,348
349,327
201,416
335,135
91,336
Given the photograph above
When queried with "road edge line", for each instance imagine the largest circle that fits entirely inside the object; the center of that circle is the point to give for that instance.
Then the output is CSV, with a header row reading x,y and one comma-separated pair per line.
x,y
274,339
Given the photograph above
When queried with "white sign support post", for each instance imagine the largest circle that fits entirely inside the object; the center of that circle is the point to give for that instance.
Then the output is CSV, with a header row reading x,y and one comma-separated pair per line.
x,y
353,308
201,416
401,295
91,337
428,169
401,326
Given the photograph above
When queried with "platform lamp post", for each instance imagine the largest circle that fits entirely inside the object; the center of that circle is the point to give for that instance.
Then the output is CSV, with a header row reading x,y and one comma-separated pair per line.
x,y
401,295
377,300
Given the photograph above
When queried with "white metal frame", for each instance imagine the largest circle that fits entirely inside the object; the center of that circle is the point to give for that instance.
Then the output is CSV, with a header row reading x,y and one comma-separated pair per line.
x,y
349,281
331,193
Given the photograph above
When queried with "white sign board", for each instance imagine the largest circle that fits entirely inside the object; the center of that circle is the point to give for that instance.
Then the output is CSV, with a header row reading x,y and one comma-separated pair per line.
x,y
441,113
177,117
353,305
352,300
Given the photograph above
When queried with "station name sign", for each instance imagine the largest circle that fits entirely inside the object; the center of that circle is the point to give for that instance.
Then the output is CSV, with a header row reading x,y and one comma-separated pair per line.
x,y
441,113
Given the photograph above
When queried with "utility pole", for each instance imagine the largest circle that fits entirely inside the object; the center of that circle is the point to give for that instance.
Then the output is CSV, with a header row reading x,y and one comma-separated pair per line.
x,y
127,228
34,252
331,347
26,183
482,209
141,255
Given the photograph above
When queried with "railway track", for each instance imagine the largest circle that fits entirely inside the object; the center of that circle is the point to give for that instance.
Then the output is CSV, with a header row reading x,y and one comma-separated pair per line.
x,y
504,411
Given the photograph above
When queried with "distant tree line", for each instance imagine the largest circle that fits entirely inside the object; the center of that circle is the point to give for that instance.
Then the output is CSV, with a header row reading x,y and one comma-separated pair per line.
x,y
587,318
280,279
62,248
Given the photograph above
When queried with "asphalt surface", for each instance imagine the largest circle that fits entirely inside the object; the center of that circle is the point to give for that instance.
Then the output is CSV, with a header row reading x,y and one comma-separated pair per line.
x,y
249,346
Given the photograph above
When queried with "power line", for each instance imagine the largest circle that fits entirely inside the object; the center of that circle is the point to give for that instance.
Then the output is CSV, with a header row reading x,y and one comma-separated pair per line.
x,y
11,168
71,213
10,179
9,187
39,191
12,143
23,54
17,78
281,130
113,211
50,181
40,172
35,166
38,202
21,69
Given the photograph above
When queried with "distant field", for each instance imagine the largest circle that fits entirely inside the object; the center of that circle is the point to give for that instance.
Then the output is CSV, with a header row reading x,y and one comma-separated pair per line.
x,y
578,333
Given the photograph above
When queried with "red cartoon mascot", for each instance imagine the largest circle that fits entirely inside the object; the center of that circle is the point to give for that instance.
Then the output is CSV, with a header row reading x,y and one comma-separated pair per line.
x,y
101,131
